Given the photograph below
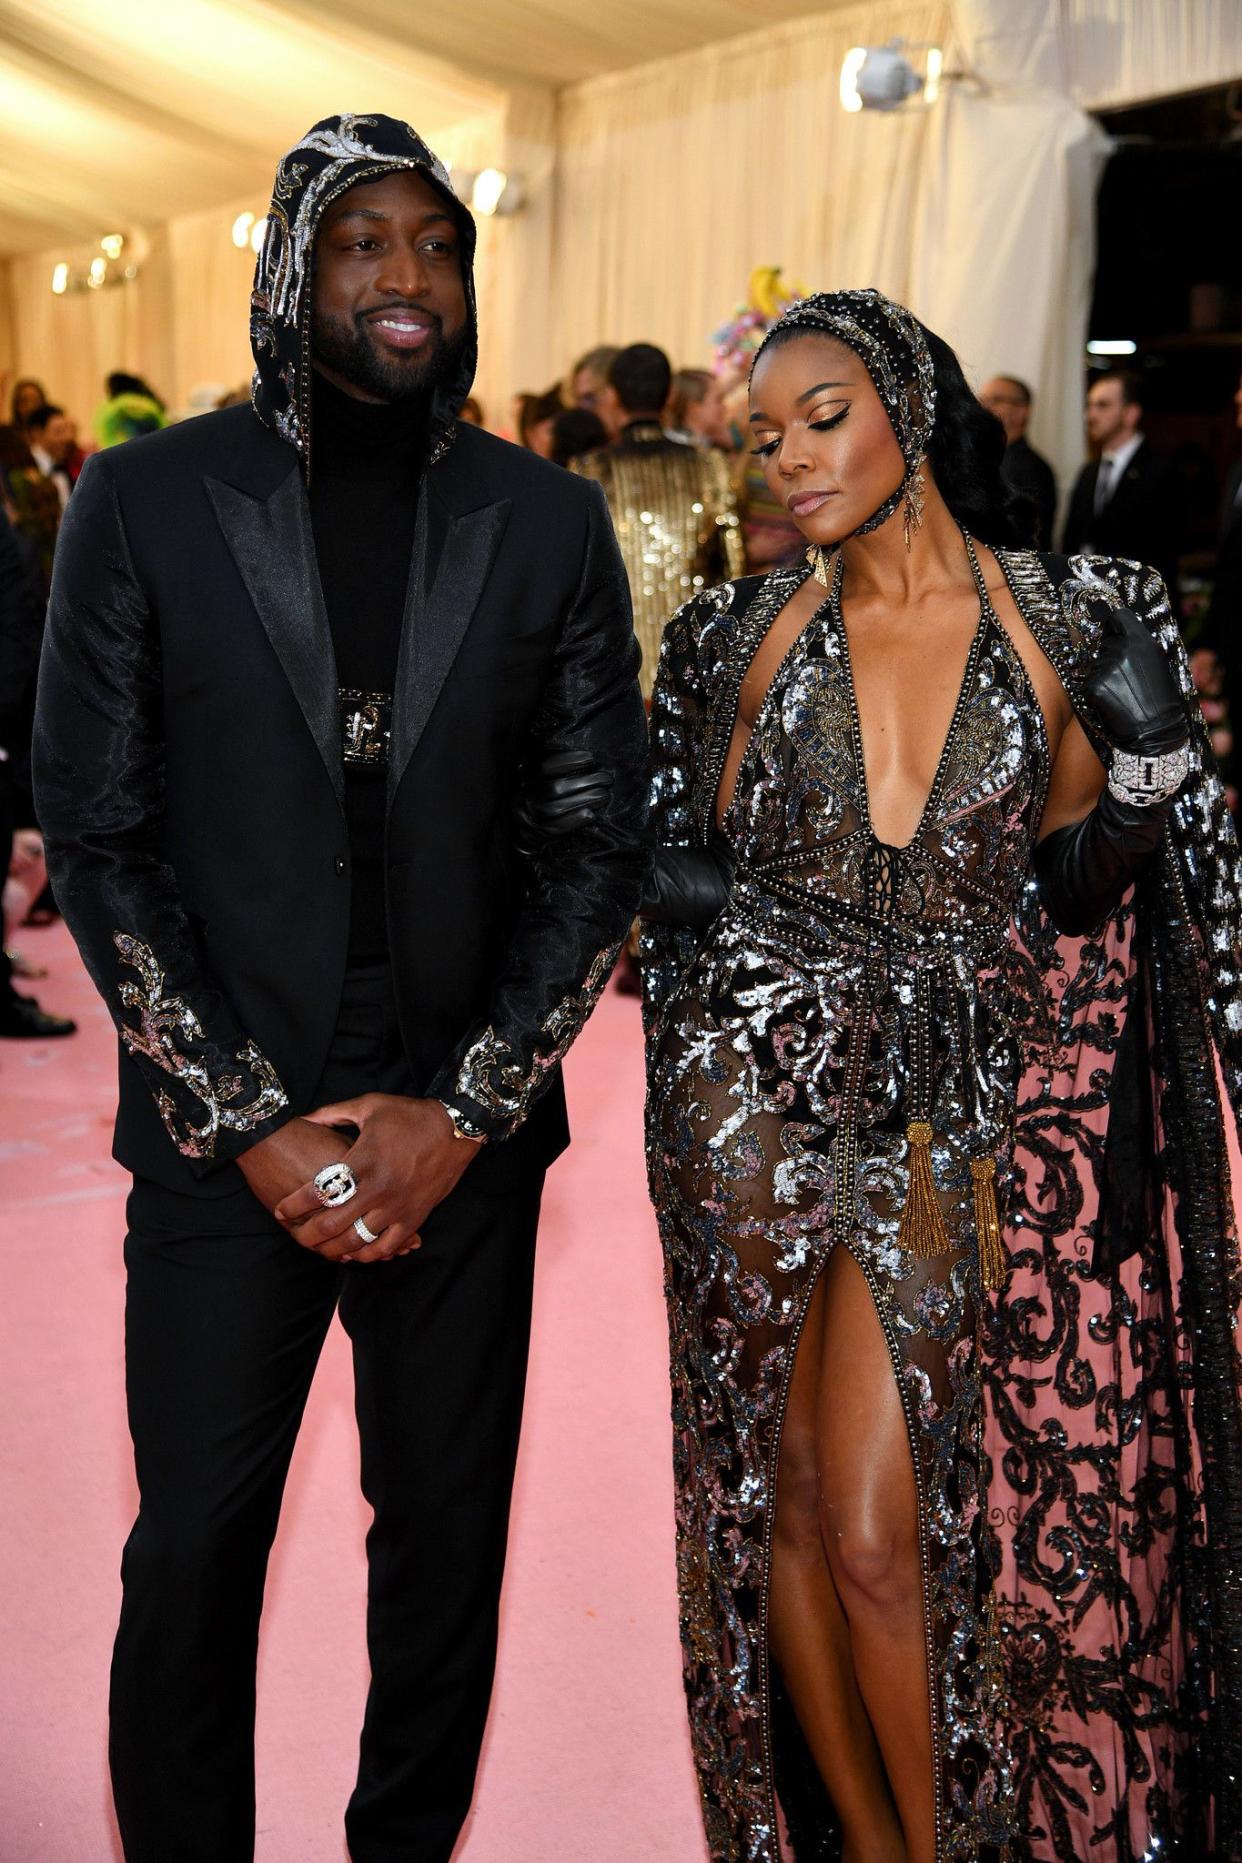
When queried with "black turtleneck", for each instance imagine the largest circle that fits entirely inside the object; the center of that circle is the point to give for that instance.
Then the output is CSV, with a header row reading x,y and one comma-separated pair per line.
x,y
367,464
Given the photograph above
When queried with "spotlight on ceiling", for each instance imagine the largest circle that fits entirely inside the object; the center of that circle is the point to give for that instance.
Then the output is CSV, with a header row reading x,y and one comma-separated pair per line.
x,y
241,230
97,273
112,244
258,233
1112,346
488,191
886,77
60,279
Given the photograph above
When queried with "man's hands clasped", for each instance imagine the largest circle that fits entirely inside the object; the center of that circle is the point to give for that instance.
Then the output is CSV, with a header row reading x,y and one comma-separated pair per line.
x,y
406,1159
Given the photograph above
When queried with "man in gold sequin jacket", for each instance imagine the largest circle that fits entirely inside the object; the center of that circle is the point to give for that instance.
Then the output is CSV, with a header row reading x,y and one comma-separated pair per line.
x,y
302,660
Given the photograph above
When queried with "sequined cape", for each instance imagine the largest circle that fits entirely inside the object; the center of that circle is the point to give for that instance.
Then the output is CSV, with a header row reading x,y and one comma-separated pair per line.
x,y
1111,1429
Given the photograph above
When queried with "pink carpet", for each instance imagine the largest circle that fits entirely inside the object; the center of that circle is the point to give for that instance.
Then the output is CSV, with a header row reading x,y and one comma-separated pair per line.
x,y
586,1758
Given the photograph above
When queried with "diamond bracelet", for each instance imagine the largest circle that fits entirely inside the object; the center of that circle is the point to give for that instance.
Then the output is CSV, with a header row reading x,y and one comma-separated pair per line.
x,y
1146,782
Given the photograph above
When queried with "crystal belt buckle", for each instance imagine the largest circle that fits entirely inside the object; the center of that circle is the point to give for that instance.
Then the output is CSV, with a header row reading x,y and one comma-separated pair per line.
x,y
366,726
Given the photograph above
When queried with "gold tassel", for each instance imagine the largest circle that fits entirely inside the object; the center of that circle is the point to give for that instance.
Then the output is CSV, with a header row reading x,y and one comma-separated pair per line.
x,y
992,1263
922,1232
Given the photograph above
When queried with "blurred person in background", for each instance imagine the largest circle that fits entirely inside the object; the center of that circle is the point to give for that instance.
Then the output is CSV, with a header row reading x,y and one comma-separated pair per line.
x,y
28,394
672,506
52,443
696,410
589,377
576,432
132,408
1127,501
1223,623
31,499
536,416
21,851
1026,472
472,411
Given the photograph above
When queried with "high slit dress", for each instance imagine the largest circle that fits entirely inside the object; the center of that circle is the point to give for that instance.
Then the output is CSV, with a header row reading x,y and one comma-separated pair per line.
x,y
1022,1139
850,996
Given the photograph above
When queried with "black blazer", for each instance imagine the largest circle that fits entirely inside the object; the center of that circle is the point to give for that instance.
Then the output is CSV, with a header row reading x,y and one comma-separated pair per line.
x,y
188,763
1142,520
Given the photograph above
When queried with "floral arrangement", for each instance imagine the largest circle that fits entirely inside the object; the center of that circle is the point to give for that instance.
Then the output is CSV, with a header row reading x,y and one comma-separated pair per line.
x,y
737,340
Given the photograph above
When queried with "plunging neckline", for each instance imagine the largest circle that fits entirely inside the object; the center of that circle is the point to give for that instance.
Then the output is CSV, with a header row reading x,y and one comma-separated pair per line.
x,y
831,606
955,720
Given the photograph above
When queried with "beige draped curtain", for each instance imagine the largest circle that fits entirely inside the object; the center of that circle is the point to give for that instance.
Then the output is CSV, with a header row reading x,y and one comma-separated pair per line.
x,y
676,180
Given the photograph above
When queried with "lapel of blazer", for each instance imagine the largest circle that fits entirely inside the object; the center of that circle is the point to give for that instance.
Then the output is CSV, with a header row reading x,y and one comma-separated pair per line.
x,y
456,538
269,534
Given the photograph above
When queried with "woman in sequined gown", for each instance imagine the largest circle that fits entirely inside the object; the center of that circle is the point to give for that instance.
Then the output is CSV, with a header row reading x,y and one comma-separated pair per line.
x,y
854,763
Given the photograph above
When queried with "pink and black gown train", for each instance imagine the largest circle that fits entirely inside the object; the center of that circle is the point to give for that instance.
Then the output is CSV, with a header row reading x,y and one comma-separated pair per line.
x,y
860,1014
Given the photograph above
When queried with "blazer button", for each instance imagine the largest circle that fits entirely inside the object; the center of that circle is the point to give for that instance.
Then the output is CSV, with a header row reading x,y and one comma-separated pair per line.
x,y
340,864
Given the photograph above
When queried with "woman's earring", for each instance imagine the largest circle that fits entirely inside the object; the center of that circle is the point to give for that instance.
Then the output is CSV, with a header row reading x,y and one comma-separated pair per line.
x,y
915,487
818,559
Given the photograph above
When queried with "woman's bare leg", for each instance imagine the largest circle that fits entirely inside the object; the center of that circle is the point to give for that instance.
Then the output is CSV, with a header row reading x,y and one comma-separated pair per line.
x,y
869,1522
808,1631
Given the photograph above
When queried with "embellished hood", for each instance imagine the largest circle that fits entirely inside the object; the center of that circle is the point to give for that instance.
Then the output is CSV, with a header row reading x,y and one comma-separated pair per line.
x,y
332,157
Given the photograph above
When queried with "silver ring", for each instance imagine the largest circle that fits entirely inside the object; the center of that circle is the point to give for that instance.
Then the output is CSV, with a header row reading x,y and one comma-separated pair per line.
x,y
366,1234
335,1184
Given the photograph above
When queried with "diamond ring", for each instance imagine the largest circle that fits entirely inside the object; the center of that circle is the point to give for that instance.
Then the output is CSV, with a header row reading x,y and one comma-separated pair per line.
x,y
366,1234
335,1184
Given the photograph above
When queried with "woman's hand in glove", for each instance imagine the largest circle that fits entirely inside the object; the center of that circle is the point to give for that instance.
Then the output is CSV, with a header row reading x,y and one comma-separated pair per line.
x,y
1131,689
567,791
689,886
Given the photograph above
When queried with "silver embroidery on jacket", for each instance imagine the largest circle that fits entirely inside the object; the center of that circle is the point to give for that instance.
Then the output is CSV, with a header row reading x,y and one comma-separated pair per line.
x,y
493,1076
163,1022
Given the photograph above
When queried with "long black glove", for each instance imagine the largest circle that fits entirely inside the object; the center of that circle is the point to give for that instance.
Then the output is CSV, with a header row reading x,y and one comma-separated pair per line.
x,y
1085,869
689,886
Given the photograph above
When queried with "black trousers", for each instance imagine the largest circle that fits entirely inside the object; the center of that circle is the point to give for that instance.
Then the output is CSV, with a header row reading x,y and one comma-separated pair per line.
x,y
225,1319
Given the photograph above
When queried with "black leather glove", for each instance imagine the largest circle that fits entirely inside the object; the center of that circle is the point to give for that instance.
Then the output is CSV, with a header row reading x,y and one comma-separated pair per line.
x,y
1084,870
566,792
1131,689
689,886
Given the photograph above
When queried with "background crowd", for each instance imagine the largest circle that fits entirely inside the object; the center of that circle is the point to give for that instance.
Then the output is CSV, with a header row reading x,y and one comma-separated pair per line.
x,y
689,504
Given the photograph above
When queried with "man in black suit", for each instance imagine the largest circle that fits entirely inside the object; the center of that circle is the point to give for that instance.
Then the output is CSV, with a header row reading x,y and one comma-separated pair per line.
x,y
1127,501
302,658
1026,472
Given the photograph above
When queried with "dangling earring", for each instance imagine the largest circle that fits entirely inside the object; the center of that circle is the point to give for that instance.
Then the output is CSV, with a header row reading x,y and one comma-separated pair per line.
x,y
915,487
818,559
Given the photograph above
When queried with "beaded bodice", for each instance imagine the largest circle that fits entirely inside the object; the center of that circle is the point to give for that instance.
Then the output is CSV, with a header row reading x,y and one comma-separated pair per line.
x,y
799,815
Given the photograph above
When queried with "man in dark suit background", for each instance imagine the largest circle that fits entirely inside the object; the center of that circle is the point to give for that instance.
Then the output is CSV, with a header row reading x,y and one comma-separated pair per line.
x,y
1127,502
1026,472
301,658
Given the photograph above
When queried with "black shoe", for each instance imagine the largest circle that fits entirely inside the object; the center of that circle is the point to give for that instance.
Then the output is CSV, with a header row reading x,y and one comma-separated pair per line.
x,y
21,1019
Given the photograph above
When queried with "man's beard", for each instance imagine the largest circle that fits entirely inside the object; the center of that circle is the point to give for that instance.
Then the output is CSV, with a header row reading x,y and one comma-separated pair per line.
x,y
347,346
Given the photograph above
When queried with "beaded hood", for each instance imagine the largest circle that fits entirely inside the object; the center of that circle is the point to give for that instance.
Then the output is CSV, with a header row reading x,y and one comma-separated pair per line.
x,y
331,158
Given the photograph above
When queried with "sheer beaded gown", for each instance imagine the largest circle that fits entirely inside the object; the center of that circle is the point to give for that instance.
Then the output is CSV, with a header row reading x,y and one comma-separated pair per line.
x,y
837,1070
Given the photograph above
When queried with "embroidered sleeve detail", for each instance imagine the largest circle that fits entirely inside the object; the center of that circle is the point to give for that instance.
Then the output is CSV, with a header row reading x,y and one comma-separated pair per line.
x,y
165,1027
494,1077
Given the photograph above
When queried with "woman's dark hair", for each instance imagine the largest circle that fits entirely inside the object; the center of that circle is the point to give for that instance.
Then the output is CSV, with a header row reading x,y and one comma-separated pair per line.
x,y
965,451
576,431
27,381
533,409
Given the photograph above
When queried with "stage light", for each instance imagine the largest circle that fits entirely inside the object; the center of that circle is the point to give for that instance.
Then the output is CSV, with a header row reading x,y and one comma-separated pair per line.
x,y
97,273
851,65
258,233
883,77
60,279
112,244
1112,346
488,190
241,230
